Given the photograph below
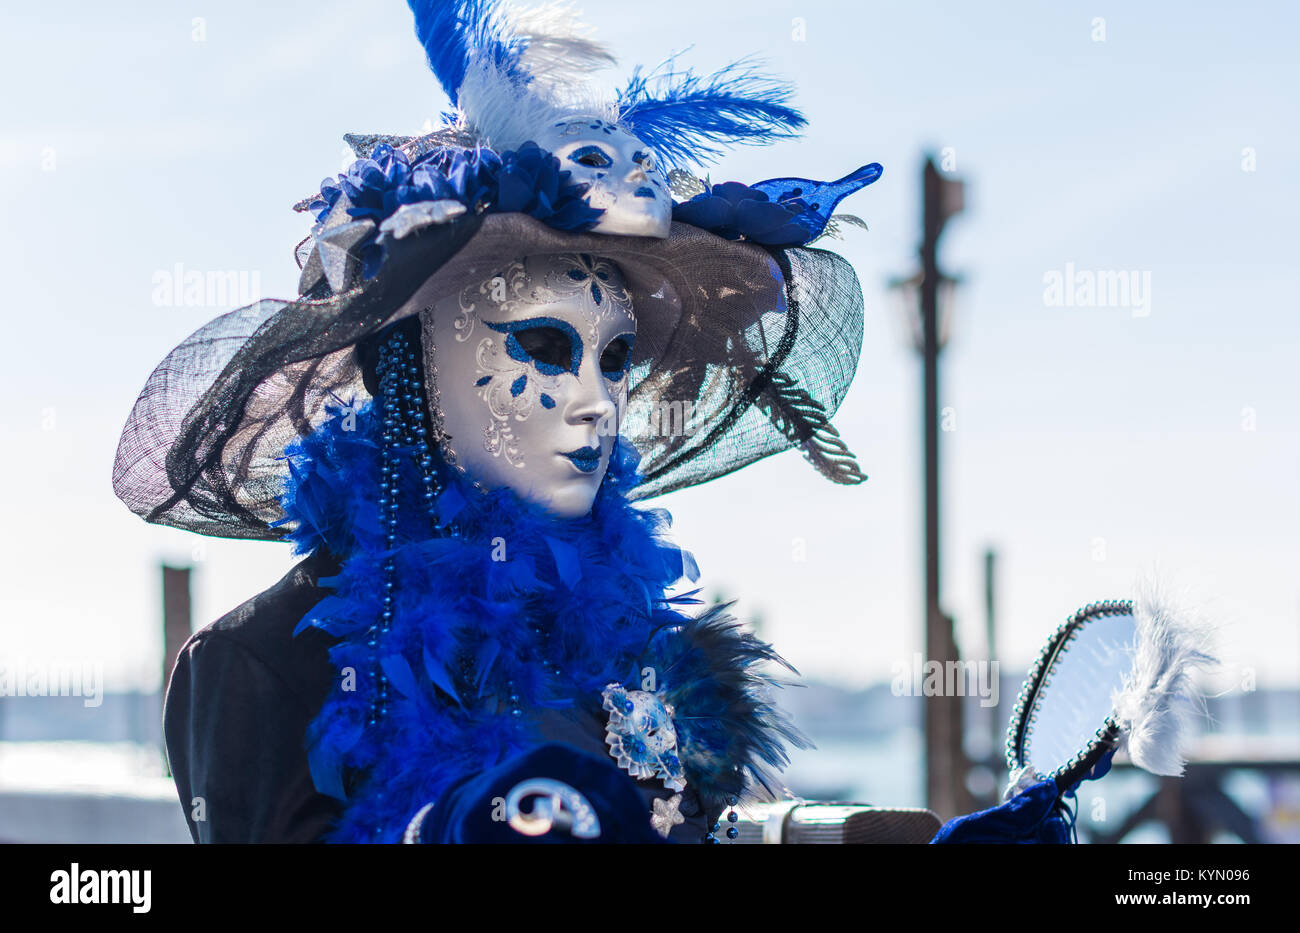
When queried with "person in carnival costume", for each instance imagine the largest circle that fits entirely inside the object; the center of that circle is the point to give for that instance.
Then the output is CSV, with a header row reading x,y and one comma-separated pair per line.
x,y
509,330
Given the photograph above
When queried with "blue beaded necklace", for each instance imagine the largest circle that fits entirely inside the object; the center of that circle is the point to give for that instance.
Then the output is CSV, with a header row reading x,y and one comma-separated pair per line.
x,y
404,431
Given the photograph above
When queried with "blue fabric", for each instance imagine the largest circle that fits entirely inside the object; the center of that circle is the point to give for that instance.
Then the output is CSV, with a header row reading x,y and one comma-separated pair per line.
x,y
1038,814
1032,816
471,812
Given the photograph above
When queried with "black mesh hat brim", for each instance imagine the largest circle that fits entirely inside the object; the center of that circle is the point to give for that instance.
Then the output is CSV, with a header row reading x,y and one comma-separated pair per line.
x,y
742,351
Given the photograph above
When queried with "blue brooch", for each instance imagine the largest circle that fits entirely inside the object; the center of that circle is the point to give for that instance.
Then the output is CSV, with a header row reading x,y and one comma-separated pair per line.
x,y
641,735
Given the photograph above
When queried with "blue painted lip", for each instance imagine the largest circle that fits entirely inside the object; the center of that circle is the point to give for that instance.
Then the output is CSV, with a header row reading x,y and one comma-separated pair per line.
x,y
643,193
586,459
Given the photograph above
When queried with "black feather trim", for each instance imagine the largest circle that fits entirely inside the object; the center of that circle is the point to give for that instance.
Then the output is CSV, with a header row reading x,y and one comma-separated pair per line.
x,y
731,737
802,419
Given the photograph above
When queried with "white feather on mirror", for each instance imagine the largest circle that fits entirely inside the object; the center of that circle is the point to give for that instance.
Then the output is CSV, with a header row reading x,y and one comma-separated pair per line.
x,y
1157,707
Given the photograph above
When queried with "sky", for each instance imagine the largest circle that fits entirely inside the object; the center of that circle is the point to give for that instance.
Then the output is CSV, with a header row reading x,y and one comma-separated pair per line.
x,y
1087,442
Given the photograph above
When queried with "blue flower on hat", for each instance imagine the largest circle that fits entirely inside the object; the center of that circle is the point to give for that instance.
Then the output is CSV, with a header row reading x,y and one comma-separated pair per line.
x,y
469,176
531,182
527,181
733,210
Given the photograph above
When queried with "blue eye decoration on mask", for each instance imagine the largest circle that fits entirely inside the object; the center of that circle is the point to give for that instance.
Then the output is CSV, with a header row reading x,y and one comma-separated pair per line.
x,y
548,343
591,156
554,347
617,358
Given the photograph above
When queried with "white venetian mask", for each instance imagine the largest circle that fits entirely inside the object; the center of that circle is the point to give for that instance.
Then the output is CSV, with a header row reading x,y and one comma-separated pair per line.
x,y
530,369
626,179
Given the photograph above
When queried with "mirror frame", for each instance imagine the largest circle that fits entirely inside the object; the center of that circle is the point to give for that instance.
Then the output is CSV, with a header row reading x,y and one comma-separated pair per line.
x,y
1021,728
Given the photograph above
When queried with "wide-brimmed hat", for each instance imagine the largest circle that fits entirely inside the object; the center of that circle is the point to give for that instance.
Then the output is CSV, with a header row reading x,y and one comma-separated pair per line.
x,y
747,338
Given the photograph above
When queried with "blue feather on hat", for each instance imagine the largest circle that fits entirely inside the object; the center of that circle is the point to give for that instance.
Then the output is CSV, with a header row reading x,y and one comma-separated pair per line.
x,y
509,71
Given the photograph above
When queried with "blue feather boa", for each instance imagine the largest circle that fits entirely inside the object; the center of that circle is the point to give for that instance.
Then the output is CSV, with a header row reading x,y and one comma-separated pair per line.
x,y
519,609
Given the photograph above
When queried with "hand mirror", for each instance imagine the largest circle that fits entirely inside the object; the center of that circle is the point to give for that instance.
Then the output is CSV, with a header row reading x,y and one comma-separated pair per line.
x,y
1064,721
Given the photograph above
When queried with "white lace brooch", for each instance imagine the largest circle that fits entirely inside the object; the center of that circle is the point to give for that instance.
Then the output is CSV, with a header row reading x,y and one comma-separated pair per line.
x,y
641,735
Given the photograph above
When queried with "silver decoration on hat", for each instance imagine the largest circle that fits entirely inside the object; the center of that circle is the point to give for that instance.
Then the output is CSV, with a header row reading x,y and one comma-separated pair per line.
x,y
409,218
686,185
332,257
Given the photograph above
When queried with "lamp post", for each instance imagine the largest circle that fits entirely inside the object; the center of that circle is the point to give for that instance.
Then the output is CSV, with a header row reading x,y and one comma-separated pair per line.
x,y
176,625
930,293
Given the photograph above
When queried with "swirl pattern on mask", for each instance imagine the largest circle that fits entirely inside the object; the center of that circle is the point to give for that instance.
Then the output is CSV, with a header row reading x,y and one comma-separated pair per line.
x,y
596,281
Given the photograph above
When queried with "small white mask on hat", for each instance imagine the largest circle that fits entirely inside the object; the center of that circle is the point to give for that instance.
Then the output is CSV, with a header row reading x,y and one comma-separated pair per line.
x,y
529,373
626,178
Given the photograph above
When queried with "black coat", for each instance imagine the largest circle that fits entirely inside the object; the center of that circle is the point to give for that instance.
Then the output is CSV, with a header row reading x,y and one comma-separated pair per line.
x,y
240,699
